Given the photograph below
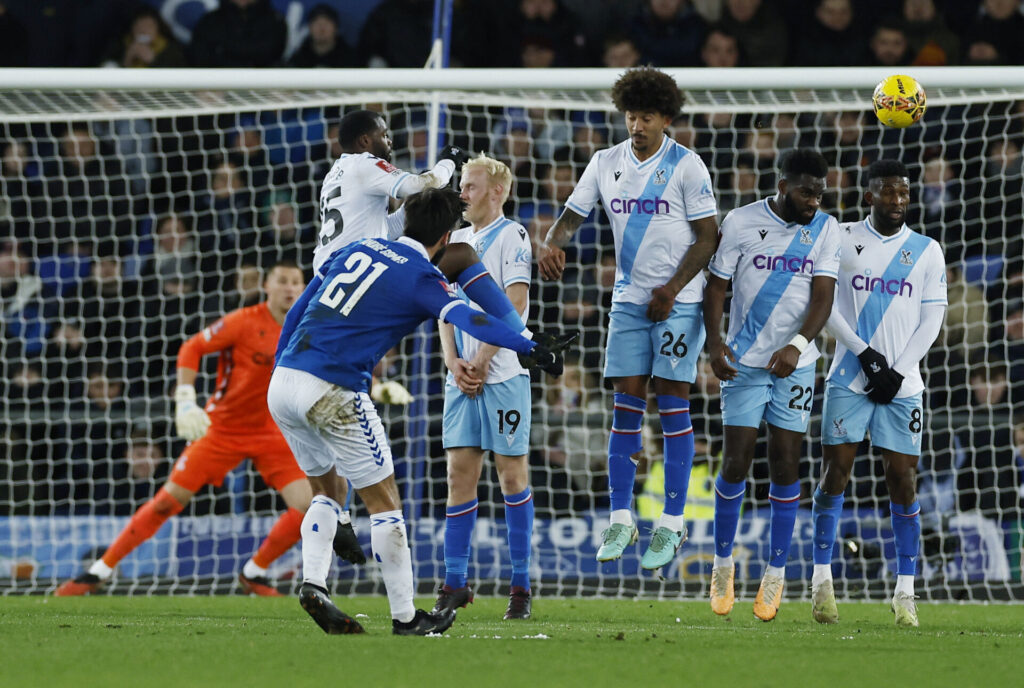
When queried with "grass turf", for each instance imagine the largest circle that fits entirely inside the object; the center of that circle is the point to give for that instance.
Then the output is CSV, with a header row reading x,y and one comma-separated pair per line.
x,y
221,641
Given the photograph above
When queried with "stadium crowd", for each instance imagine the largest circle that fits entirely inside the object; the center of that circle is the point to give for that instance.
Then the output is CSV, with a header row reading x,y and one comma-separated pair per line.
x,y
123,237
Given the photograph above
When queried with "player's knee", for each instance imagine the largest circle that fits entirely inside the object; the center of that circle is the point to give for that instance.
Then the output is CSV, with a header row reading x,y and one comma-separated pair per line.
x,y
733,470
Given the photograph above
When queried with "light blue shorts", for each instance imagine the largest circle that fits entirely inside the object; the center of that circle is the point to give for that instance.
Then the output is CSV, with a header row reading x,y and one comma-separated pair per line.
x,y
497,420
755,393
896,426
667,349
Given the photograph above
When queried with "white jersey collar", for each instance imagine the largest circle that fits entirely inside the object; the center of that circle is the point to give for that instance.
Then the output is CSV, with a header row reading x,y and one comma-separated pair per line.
x,y
636,161
486,228
881,237
412,243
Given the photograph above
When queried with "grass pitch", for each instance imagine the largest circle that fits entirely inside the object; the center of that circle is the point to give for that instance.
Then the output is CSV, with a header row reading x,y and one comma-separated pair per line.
x,y
238,641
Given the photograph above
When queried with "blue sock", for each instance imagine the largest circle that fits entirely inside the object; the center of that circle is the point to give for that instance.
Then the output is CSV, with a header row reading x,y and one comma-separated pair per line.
x,y
625,440
784,500
825,517
484,291
519,519
728,502
458,532
678,433
906,527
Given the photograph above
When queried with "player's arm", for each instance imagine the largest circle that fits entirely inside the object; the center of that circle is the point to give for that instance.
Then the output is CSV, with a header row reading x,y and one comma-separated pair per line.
x,y
190,419
465,378
933,315
784,361
450,160
714,305
460,263
518,294
551,260
696,259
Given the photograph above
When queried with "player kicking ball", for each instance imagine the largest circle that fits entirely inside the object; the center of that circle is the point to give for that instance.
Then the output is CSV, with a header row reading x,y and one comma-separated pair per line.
x,y
363,300
235,425
890,306
782,256
662,209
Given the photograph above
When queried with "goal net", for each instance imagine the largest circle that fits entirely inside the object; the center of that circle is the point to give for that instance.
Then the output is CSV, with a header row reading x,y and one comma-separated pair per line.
x,y
139,206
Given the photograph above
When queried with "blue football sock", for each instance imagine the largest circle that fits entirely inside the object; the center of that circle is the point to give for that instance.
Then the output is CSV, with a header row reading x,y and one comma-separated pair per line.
x,y
485,292
678,433
728,503
784,500
458,533
624,441
825,517
906,527
519,519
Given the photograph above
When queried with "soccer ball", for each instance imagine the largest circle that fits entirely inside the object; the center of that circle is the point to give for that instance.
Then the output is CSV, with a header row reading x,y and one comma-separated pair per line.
x,y
899,101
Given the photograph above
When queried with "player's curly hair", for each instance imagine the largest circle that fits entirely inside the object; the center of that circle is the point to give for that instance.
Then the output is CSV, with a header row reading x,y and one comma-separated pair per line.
x,y
804,161
432,212
646,89
886,168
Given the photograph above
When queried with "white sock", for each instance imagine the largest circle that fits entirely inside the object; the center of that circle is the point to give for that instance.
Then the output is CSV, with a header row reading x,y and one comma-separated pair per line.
x,y
623,516
822,573
724,561
101,570
318,528
251,570
673,523
905,584
345,518
777,571
391,550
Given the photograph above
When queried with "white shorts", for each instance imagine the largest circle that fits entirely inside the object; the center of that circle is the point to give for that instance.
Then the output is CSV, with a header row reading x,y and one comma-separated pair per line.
x,y
329,427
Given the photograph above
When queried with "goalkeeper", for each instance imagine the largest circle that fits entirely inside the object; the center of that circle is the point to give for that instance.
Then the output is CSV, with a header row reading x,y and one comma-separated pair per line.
x,y
235,425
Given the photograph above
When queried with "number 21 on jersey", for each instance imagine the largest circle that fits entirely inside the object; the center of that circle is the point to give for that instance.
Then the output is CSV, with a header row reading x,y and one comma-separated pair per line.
x,y
335,297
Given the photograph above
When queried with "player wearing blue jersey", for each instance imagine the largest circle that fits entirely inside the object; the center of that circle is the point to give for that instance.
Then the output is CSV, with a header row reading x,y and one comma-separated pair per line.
x,y
360,304
782,256
487,403
889,308
658,196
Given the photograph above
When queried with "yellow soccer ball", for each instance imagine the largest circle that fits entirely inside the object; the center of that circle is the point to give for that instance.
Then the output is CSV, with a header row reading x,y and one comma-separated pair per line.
x,y
899,101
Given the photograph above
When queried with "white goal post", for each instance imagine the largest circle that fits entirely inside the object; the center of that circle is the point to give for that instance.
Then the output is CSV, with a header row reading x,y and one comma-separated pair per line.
x,y
99,163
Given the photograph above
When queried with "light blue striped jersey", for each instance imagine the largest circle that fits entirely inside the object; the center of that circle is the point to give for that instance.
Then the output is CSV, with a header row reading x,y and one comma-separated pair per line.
x,y
771,264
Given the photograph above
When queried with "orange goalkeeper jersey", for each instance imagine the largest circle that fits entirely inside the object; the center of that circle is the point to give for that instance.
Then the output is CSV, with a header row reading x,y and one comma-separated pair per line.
x,y
247,340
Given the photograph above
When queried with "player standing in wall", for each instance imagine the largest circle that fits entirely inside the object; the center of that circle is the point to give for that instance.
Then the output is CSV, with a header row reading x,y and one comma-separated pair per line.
x,y
234,426
487,405
662,208
782,256
889,308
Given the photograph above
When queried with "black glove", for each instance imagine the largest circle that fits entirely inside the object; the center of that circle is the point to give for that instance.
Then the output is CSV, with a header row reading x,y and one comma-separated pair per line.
x,y
547,355
346,544
883,382
456,155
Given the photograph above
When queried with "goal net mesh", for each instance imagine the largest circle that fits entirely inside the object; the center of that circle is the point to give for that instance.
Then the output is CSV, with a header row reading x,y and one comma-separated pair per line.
x,y
131,219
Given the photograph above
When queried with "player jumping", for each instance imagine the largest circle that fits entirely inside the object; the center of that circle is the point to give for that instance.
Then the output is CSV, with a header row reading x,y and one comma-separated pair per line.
x,y
782,256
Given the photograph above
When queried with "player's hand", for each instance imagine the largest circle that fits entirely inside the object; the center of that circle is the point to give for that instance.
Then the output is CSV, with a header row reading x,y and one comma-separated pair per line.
x,y
465,377
190,419
662,301
784,361
885,388
720,355
547,355
456,155
481,365
551,261
390,392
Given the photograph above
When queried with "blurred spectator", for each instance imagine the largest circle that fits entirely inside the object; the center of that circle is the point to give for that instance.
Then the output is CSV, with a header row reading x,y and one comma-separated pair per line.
x,y
27,308
538,53
940,206
323,47
989,481
282,239
966,316
760,29
995,35
929,38
171,316
13,51
21,192
720,49
547,23
831,38
841,197
889,46
148,43
669,33
1013,331
175,251
1002,210
743,185
239,33
620,52
397,34
226,217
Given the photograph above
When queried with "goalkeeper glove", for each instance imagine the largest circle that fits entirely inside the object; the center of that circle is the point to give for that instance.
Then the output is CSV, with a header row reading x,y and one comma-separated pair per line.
x,y
547,355
390,392
456,155
883,382
190,419
346,544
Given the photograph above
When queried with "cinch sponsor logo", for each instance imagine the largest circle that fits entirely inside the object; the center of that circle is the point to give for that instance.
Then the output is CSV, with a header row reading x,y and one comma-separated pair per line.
x,y
644,206
783,264
894,287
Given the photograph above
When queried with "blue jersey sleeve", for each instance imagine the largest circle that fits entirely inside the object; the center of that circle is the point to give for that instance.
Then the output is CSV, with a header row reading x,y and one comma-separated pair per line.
x,y
485,328
291,320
